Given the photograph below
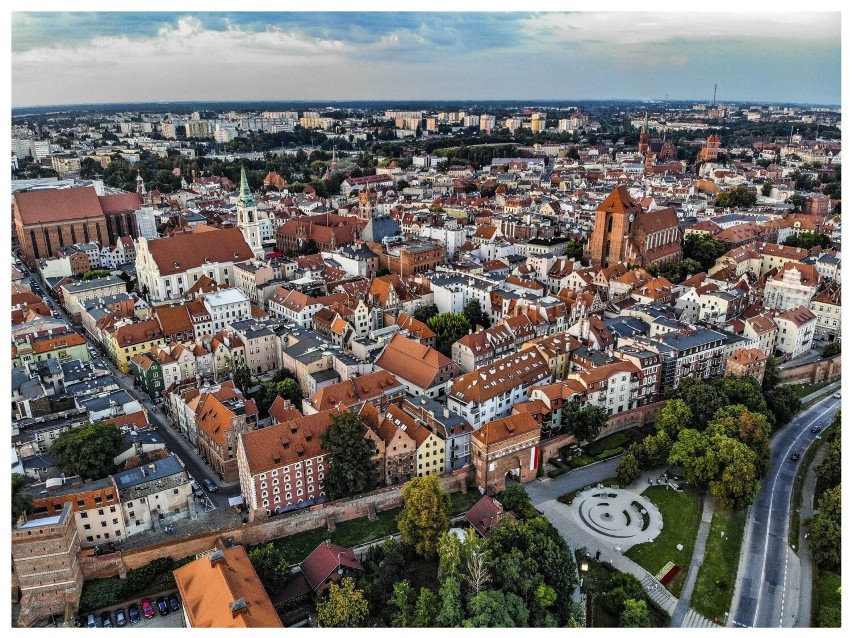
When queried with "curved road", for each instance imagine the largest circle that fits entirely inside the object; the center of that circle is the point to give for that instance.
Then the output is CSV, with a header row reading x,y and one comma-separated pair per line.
x,y
766,592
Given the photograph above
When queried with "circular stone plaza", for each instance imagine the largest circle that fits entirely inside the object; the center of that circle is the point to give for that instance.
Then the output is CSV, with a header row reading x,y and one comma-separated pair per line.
x,y
618,518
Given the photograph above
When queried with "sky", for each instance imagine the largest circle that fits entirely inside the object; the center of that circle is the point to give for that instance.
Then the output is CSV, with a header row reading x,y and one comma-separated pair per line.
x,y
103,57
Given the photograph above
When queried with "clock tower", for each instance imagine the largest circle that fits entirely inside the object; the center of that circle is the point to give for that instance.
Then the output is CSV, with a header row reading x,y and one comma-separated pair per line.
x,y
247,218
614,221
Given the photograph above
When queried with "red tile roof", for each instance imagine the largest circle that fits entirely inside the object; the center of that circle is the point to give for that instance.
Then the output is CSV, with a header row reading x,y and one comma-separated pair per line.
x,y
58,205
323,563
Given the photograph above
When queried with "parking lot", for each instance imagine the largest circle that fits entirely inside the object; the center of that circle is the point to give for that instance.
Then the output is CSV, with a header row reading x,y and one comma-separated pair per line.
x,y
171,620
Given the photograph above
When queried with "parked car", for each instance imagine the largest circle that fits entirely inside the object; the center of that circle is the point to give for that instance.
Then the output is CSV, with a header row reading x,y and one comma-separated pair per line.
x,y
106,619
147,609
836,395
133,613
162,606
210,485
120,618
174,602
91,621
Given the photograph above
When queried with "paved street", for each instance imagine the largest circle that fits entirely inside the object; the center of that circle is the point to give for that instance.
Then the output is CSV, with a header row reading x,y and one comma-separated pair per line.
x,y
767,588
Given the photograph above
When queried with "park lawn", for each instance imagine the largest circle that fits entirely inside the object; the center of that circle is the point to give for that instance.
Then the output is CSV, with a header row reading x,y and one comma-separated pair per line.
x,y
681,517
803,390
824,594
714,586
360,530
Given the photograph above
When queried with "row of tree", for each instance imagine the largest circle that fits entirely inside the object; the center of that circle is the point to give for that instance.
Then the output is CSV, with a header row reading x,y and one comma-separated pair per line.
x,y
449,327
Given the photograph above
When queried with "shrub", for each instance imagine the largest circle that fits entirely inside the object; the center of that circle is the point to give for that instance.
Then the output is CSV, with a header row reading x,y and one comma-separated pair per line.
x,y
609,453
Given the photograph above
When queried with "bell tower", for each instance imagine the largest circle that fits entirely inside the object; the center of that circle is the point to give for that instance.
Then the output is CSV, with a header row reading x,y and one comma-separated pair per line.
x,y
247,219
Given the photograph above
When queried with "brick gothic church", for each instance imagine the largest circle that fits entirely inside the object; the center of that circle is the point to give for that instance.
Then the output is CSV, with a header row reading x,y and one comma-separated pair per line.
x,y
625,233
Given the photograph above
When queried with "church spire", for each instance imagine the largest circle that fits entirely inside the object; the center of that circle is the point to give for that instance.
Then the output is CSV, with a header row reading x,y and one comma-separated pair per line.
x,y
246,198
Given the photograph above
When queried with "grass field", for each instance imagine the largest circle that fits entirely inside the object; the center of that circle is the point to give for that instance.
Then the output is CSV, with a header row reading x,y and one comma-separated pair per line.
x,y
359,531
803,390
681,516
714,586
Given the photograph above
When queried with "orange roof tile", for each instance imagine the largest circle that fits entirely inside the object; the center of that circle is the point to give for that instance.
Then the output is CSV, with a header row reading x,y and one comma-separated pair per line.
x,y
407,359
520,425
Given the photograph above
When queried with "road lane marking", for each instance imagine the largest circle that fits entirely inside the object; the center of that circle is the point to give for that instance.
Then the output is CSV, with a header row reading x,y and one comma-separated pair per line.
x,y
805,430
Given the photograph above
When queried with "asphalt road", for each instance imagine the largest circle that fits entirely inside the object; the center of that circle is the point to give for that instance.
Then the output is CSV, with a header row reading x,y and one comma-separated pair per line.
x,y
766,592
175,443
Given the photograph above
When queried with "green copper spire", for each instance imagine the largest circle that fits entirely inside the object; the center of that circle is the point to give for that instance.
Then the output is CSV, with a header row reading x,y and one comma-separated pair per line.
x,y
246,198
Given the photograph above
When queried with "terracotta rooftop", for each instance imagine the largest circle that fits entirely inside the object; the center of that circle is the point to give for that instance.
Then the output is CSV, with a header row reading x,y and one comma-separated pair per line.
x,y
412,361
356,390
58,205
223,590
190,250
510,427
323,563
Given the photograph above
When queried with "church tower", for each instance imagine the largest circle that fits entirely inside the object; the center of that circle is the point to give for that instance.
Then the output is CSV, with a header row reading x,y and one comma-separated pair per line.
x,y
643,137
247,219
614,221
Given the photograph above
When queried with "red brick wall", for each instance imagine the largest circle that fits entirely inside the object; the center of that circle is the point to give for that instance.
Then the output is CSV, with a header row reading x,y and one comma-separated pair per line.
x,y
827,369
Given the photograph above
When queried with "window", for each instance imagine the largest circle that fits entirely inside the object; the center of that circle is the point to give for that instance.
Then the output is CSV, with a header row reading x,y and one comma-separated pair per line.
x,y
98,500
87,526
100,512
84,515
81,503
103,523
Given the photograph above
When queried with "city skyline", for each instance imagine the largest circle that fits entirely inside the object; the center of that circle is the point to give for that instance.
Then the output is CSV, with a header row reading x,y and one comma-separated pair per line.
x,y
336,56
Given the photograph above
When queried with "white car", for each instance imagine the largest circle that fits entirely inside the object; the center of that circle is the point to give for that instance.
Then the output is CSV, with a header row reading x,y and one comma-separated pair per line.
x,y
836,395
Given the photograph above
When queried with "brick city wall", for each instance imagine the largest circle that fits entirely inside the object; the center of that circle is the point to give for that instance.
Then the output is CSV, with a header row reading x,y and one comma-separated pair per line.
x,y
824,370
637,417
261,531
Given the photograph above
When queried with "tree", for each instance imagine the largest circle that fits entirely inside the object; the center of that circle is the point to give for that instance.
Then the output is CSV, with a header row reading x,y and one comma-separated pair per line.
x,y
240,375
475,317
425,313
831,350
451,613
744,391
808,239
516,499
766,189
824,531
95,274
449,557
20,501
751,428
784,403
88,450
674,416
739,479
798,201
628,469
350,456
344,607
692,451
449,327
702,399
497,609
425,609
584,422
829,470
476,572
704,249
271,567
382,271
424,519
401,600
740,197
635,614
288,389
620,588
771,374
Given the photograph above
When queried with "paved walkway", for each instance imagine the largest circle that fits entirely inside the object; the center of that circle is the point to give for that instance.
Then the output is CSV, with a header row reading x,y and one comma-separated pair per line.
x,y
679,617
830,388
803,618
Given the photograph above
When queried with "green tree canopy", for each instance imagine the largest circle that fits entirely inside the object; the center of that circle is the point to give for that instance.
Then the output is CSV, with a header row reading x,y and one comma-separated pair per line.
x,y
584,422
344,607
448,327
829,470
497,609
403,604
738,481
628,469
350,457
451,613
620,588
692,451
475,316
424,520
745,391
808,239
831,349
635,614
771,375
516,499
425,313
272,570
784,403
739,197
751,428
88,450
704,249
824,531
20,501
702,399
674,416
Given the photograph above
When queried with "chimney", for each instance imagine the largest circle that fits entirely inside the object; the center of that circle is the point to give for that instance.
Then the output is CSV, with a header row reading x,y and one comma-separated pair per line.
x,y
217,556
142,469
239,606
446,413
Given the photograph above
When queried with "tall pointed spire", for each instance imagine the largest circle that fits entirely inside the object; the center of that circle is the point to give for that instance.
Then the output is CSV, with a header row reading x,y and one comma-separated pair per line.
x,y
645,127
245,194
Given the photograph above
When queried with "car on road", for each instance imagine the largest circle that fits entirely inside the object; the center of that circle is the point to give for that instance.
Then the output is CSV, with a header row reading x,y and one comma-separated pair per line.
x,y
91,621
174,602
120,618
816,429
147,609
794,456
836,395
133,613
106,619
162,606
210,485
